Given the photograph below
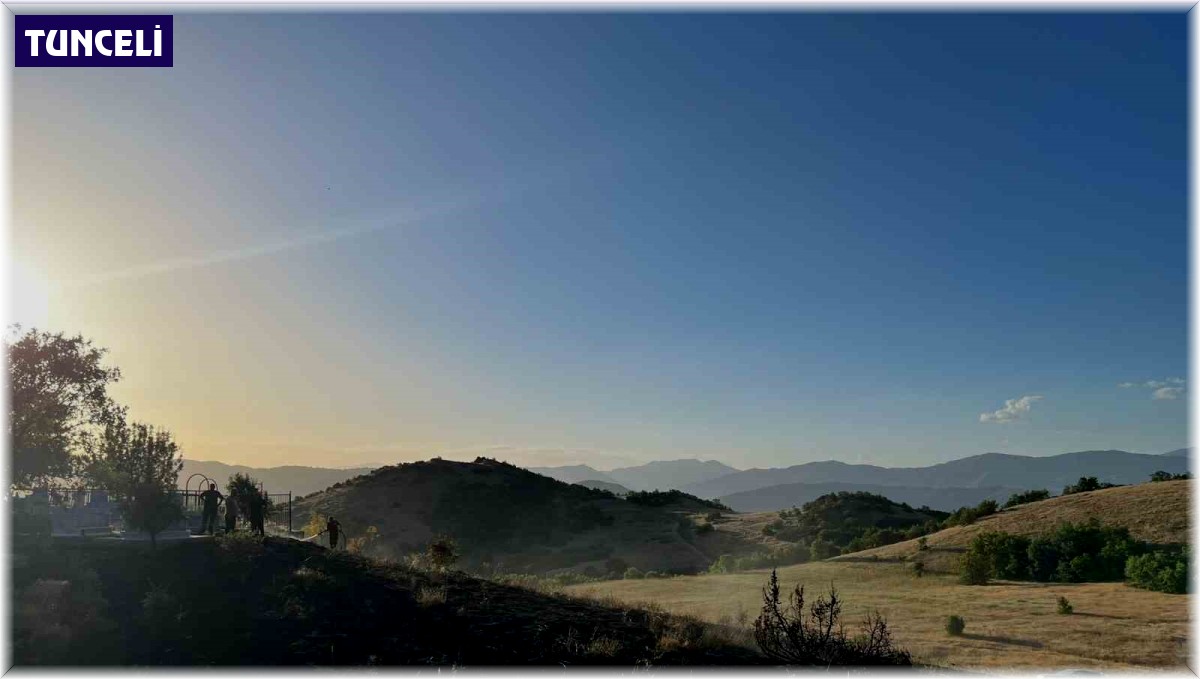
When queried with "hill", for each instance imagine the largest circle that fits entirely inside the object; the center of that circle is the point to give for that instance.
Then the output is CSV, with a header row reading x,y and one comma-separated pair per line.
x,y
298,480
576,473
658,475
240,601
795,494
509,519
978,471
614,488
1154,512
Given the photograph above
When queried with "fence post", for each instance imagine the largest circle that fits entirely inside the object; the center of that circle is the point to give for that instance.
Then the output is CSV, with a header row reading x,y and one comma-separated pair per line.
x,y
289,513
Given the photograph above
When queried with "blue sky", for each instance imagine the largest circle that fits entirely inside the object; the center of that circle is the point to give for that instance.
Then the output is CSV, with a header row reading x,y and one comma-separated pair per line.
x,y
765,239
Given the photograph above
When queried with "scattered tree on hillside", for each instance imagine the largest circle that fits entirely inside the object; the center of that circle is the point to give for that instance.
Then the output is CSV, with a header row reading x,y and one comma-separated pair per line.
x,y
140,466
662,498
57,393
1026,497
1085,484
966,516
794,635
1167,476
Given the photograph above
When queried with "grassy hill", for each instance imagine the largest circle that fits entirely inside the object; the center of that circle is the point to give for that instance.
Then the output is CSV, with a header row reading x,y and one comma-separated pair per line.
x,y
1010,626
509,519
1154,512
238,602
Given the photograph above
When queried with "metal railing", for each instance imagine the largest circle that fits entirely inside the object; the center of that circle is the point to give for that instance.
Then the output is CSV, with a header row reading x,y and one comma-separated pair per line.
x,y
75,511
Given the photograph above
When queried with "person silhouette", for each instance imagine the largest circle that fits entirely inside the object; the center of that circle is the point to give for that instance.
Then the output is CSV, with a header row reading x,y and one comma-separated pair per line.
x,y
257,505
211,499
334,529
231,513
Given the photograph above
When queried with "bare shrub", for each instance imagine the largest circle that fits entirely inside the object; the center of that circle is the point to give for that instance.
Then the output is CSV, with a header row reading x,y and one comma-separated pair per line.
x,y
794,635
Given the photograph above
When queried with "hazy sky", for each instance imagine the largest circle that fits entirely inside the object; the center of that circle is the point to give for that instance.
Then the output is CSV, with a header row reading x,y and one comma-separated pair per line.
x,y
765,239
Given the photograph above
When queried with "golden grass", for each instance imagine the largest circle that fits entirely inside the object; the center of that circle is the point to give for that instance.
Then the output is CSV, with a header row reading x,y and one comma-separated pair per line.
x,y
1009,625
1154,512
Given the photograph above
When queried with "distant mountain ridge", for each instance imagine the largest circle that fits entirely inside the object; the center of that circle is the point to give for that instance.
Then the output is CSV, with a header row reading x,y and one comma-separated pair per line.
x,y
784,496
978,471
296,479
657,475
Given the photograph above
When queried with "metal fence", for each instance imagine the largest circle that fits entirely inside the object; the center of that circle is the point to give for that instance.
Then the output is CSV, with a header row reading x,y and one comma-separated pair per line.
x,y
90,511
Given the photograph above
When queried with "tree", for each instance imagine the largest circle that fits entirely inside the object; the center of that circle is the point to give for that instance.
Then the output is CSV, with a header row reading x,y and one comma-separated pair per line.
x,y
140,466
58,391
1086,484
244,486
1027,497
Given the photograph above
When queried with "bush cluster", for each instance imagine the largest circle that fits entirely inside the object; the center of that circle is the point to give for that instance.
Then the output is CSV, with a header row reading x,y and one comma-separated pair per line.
x,y
1085,484
1086,552
1159,571
780,556
1167,476
966,516
1026,497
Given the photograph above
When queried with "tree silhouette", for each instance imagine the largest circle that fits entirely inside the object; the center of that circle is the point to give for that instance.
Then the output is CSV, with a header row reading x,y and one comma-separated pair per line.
x,y
58,393
140,465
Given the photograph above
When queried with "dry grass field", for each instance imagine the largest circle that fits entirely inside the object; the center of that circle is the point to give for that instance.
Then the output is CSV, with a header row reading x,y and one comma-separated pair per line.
x,y
1154,512
1009,626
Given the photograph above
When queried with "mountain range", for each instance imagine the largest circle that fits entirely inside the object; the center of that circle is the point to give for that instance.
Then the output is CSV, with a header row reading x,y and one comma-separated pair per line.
x,y
657,475
296,479
978,471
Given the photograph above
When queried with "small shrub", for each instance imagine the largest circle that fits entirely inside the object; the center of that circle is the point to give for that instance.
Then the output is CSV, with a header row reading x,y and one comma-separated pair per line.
x,y
443,552
955,625
922,543
633,573
1064,606
918,568
431,596
794,635
974,568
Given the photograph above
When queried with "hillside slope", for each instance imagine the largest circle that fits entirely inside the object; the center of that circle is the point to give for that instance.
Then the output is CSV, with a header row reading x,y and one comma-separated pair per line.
x,y
239,602
1154,512
509,519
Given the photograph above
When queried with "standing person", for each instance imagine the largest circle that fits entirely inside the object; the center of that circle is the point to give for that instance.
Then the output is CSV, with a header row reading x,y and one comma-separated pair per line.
x,y
211,499
256,514
231,513
334,529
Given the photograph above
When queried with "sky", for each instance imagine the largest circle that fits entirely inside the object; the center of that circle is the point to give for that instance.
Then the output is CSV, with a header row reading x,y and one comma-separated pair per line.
x,y
766,239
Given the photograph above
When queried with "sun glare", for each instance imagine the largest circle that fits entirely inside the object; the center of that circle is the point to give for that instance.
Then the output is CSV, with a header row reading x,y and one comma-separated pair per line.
x,y
29,297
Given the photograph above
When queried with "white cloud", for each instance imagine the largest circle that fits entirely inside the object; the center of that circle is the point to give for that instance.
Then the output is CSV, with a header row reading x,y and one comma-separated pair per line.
x,y
1164,390
1014,409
